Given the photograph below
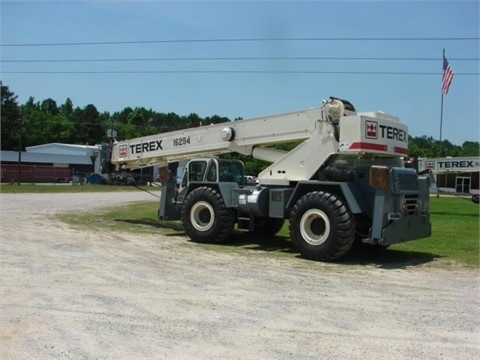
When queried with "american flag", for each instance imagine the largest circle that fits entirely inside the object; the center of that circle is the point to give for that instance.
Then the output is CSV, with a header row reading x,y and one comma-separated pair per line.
x,y
447,76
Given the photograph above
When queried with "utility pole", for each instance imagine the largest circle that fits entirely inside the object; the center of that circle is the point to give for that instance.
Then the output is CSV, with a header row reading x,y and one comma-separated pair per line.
x,y
20,135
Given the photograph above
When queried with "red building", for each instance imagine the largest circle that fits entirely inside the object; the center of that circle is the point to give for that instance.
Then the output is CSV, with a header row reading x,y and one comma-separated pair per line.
x,y
48,163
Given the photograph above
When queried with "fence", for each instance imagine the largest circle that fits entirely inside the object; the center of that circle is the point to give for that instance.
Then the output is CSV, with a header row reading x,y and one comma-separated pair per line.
x,y
38,174
11,173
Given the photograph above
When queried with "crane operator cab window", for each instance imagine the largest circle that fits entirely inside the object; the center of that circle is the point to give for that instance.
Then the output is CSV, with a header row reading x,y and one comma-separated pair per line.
x,y
214,170
196,170
232,171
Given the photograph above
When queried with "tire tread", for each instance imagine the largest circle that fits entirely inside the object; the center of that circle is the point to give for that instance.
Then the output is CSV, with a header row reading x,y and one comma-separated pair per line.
x,y
224,224
338,243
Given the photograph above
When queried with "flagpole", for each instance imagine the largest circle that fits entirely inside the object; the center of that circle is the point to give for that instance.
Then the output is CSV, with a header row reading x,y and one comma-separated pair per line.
x,y
447,77
441,125
441,118
440,139
441,106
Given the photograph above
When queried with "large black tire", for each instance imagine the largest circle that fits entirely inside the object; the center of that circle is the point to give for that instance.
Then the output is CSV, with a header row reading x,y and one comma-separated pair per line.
x,y
267,227
205,217
321,227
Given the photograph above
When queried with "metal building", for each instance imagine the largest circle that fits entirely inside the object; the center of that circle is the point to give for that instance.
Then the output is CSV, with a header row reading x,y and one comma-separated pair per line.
x,y
53,162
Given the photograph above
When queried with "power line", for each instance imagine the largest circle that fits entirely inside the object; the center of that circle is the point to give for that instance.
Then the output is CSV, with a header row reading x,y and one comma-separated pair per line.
x,y
225,40
250,58
238,72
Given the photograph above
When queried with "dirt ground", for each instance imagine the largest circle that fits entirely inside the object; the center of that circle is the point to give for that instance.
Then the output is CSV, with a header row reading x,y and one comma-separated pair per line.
x,y
83,294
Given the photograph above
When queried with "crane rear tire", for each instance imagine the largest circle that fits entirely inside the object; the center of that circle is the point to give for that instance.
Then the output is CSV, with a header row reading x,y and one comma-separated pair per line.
x,y
205,217
321,227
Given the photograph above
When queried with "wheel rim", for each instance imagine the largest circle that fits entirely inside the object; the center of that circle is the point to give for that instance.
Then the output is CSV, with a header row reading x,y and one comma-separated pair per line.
x,y
315,227
202,216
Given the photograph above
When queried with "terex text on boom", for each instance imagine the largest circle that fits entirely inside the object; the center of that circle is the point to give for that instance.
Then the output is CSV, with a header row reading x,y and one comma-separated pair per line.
x,y
153,145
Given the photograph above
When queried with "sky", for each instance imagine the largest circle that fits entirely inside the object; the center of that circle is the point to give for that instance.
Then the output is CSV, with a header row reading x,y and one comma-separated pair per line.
x,y
249,58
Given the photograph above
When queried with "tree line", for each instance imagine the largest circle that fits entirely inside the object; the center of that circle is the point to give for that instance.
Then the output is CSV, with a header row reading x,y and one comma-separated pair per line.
x,y
41,122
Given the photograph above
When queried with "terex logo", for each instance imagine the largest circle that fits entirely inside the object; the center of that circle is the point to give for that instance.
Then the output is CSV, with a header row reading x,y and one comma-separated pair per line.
x,y
393,133
371,129
153,145
122,151
455,164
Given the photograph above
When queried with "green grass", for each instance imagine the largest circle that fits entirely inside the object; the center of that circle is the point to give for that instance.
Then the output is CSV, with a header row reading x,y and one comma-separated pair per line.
x,y
138,217
454,241
455,231
67,188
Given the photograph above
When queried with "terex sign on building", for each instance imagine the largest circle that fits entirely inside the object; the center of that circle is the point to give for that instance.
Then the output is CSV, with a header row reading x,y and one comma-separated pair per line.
x,y
440,165
458,175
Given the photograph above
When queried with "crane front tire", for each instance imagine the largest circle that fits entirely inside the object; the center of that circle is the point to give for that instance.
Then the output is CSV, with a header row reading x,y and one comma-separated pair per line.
x,y
205,217
321,227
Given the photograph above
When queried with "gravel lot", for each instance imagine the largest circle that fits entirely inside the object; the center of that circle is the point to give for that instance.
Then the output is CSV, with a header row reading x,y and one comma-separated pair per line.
x,y
82,294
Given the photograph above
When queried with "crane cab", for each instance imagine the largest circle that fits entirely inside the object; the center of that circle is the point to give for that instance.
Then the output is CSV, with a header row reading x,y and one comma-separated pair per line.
x,y
222,175
214,170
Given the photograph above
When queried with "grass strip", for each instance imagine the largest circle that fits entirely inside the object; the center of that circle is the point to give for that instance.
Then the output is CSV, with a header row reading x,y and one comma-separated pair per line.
x,y
454,240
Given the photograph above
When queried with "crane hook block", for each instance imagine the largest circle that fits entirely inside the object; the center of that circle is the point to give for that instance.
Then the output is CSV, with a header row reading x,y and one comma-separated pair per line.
x,y
228,134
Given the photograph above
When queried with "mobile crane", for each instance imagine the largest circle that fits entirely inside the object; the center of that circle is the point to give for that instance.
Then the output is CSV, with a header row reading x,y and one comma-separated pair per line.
x,y
345,182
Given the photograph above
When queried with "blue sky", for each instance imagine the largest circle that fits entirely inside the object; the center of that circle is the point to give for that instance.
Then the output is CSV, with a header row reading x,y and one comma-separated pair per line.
x,y
274,85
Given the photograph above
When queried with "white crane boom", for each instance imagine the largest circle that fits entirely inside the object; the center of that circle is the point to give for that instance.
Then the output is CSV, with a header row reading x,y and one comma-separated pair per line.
x,y
362,132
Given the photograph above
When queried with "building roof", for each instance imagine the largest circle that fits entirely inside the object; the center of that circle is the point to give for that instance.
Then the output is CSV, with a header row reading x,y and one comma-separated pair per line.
x,y
53,153
40,158
59,148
